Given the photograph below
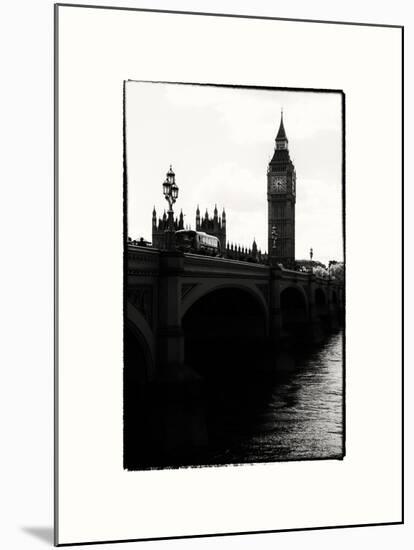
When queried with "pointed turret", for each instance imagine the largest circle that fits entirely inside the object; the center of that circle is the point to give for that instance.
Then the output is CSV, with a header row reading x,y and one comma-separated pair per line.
x,y
197,218
254,246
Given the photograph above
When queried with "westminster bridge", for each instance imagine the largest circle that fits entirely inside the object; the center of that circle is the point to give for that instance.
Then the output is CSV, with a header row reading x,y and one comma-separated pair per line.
x,y
196,326
176,299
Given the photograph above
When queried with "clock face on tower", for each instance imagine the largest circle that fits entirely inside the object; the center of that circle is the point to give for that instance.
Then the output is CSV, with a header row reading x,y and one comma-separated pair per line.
x,y
278,184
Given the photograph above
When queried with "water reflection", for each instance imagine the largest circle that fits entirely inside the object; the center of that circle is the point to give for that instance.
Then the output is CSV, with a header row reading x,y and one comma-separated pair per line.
x,y
244,410
291,414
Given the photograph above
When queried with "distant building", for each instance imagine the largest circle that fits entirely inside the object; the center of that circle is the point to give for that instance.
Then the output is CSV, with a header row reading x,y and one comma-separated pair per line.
x,y
161,225
281,198
213,226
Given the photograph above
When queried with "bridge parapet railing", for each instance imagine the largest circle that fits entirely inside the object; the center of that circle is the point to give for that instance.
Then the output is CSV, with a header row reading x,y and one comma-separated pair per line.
x,y
142,259
322,280
296,275
308,276
213,265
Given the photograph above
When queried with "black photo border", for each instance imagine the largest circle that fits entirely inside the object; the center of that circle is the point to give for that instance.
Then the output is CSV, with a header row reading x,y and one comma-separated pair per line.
x,y
343,204
56,258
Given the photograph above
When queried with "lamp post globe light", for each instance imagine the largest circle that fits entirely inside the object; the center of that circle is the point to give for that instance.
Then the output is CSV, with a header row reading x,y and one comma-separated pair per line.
x,y
170,190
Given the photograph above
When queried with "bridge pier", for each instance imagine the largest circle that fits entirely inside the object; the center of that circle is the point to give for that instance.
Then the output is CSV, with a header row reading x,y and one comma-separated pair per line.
x,y
315,329
170,335
275,312
333,314
180,414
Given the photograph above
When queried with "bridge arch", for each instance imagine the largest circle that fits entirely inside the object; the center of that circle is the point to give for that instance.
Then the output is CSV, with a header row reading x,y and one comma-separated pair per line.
x,y
137,329
203,289
138,366
224,329
296,287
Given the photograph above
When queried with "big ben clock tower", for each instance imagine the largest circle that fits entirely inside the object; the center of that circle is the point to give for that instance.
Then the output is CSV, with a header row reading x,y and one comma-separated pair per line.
x,y
281,199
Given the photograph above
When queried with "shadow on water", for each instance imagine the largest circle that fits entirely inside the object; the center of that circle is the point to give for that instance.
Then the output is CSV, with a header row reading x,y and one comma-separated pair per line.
x,y
264,409
242,403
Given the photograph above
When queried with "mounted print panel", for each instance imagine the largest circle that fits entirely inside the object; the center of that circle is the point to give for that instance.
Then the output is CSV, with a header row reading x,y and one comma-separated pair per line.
x,y
201,353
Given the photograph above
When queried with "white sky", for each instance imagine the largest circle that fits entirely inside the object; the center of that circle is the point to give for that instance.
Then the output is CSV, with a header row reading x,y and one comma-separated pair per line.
x,y
219,142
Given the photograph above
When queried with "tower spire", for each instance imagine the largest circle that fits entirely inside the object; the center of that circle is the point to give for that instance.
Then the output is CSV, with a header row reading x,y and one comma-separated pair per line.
x,y
281,135
281,141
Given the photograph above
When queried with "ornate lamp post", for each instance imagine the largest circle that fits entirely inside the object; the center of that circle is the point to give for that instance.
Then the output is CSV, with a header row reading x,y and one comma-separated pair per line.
x,y
170,190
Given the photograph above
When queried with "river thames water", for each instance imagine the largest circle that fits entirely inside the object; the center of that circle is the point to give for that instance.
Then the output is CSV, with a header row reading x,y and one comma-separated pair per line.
x,y
251,411
294,414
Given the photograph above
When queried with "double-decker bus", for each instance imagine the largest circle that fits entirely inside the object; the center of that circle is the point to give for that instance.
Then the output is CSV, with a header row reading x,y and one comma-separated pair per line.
x,y
197,242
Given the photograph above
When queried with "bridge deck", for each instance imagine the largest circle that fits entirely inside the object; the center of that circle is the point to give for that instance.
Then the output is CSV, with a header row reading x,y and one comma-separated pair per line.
x,y
143,259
